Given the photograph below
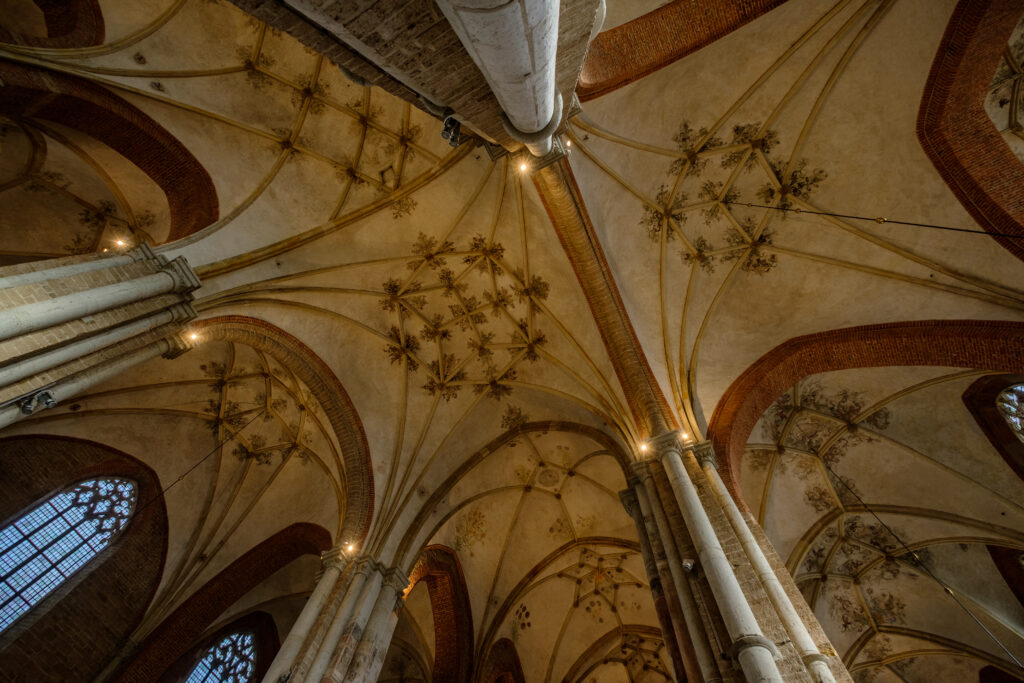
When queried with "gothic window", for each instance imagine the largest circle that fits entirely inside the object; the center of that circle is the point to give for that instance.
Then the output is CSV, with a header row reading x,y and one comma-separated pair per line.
x,y
230,660
46,545
1011,405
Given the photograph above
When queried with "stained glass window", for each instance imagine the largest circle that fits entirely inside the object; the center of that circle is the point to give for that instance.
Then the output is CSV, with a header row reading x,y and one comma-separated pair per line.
x,y
1011,404
54,539
232,660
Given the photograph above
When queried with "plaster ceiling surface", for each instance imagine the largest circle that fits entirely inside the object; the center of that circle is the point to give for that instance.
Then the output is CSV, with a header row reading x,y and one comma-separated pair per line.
x,y
799,109
618,12
240,446
848,507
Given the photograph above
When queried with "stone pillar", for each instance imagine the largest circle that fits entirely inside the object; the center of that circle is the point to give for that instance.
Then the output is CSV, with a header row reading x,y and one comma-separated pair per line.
x,y
369,655
814,660
650,502
334,562
345,628
673,639
71,323
756,653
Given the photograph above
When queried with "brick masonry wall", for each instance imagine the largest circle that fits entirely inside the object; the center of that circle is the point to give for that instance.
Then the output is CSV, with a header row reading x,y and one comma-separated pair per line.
x,y
71,634
626,53
453,620
956,132
99,113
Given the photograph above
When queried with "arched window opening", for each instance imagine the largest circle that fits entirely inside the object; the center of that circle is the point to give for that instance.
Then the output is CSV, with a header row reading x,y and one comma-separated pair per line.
x,y
1011,406
46,545
231,660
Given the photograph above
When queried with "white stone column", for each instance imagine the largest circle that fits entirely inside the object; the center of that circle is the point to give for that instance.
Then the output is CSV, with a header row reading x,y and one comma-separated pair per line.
x,y
170,347
175,276
369,654
32,365
72,265
650,503
362,591
333,562
814,660
515,44
755,653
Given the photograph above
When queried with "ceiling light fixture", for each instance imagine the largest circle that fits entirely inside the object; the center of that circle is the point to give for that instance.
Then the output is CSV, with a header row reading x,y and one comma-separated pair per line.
x,y
643,448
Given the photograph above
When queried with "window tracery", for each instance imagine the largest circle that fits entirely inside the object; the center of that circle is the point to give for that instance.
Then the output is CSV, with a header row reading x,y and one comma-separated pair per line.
x,y
51,541
1011,406
230,660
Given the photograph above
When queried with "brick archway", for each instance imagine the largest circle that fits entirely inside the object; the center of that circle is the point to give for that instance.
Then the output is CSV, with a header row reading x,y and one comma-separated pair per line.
x,y
32,92
69,24
956,132
57,640
453,619
181,629
332,397
503,664
627,53
266,643
980,344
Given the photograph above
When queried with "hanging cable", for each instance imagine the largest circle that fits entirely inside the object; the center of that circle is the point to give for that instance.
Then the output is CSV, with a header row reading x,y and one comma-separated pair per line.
x,y
920,563
879,220
198,463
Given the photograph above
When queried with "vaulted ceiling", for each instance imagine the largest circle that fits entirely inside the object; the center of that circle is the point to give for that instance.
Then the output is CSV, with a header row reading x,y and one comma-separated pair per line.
x,y
429,281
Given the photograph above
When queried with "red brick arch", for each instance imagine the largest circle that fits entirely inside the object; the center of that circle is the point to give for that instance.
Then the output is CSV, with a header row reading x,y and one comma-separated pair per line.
x,y
69,24
627,53
183,627
453,619
503,664
32,92
956,132
982,344
329,393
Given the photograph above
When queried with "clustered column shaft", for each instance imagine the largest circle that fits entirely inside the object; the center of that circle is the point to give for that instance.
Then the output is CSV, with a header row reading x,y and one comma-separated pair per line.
x,y
69,324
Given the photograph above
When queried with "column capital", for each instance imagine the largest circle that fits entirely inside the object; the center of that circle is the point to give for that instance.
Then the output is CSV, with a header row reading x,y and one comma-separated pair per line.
x,y
705,454
185,280
182,312
630,502
396,579
140,252
666,442
641,470
334,557
176,346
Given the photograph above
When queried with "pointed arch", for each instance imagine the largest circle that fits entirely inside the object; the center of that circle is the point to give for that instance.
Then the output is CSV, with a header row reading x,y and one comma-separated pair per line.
x,y
453,618
503,664
980,344
56,640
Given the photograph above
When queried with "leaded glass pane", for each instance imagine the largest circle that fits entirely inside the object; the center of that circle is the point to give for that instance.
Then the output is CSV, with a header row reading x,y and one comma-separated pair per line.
x,y
53,540
1011,404
232,660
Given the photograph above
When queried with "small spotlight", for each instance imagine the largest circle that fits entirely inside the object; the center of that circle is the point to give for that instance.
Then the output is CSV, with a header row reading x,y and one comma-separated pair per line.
x,y
119,243
684,435
350,547
643,447
568,143
193,336
522,166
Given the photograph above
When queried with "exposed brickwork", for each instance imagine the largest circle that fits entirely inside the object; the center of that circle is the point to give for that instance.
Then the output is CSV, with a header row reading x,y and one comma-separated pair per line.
x,y
980,399
267,643
415,39
182,628
503,664
332,397
991,674
33,92
453,618
564,204
629,52
956,132
72,633
981,344
69,23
